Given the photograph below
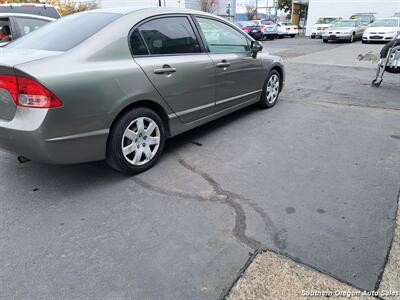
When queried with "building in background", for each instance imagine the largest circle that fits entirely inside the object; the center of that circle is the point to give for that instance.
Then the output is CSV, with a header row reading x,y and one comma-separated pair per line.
x,y
116,3
346,8
224,8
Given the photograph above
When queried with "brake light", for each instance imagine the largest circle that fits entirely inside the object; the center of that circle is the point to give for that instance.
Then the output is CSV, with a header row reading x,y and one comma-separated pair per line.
x,y
28,92
32,94
9,83
246,28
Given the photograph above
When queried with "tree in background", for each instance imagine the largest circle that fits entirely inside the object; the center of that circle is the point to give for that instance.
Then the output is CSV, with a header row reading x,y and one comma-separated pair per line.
x,y
251,11
65,7
285,5
208,5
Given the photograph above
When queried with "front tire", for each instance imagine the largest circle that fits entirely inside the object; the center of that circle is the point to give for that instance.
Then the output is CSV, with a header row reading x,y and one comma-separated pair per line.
x,y
136,141
352,38
325,40
271,90
293,36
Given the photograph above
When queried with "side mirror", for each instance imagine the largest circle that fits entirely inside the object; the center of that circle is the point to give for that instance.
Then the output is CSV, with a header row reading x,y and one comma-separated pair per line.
x,y
255,47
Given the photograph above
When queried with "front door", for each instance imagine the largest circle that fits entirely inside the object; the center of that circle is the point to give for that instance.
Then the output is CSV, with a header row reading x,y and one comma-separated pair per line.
x,y
239,76
177,66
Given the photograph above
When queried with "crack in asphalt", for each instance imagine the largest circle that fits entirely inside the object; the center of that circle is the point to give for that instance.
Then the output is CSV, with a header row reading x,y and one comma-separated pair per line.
x,y
231,199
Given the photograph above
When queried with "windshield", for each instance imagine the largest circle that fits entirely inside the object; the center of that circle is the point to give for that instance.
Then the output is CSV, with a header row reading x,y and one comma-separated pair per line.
x,y
363,18
345,24
386,23
66,33
326,20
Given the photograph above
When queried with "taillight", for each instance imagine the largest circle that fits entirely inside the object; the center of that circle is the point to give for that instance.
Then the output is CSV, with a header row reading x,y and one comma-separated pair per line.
x,y
246,28
28,92
32,94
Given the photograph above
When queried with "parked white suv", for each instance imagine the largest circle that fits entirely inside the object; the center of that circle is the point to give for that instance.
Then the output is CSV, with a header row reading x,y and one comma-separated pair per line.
x,y
323,24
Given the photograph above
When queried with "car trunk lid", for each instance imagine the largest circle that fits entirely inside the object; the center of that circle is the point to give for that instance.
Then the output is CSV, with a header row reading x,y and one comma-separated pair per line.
x,y
13,57
9,61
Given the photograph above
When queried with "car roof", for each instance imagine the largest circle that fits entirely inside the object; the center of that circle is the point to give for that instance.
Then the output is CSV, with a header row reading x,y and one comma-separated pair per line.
x,y
4,15
125,10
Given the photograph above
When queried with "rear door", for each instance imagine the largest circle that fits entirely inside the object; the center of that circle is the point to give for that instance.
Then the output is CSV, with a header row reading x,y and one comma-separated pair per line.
x,y
173,58
239,76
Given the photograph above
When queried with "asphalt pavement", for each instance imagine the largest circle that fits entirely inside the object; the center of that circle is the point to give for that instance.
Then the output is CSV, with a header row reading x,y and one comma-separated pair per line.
x,y
316,178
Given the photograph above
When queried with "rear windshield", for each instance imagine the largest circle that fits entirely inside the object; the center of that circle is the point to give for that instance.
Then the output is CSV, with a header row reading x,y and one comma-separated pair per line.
x,y
66,33
45,11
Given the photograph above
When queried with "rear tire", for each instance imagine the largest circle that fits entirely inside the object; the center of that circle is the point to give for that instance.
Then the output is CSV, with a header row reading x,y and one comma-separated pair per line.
x,y
136,141
325,40
293,36
313,37
271,90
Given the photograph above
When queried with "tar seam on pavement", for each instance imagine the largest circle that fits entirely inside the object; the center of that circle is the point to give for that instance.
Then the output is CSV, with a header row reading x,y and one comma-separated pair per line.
x,y
230,199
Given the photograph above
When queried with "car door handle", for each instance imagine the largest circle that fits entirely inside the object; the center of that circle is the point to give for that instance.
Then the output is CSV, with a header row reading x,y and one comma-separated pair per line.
x,y
223,64
166,69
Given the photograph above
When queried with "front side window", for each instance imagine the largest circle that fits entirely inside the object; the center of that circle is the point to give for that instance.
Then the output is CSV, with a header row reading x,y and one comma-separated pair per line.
x,y
27,25
170,35
5,30
222,38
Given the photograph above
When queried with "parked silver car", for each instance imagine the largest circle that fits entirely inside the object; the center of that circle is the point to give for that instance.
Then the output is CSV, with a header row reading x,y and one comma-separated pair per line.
x,y
125,81
345,30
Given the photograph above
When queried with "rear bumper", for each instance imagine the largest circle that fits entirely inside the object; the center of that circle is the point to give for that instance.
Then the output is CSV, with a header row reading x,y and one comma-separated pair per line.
x,y
288,33
26,135
256,35
270,33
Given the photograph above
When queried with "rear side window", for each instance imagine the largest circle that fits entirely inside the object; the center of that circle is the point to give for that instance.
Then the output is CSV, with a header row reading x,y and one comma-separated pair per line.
x,y
66,33
171,35
138,46
27,25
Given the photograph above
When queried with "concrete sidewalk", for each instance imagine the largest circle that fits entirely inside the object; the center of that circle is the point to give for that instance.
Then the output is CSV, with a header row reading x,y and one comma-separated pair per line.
x,y
348,55
275,277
